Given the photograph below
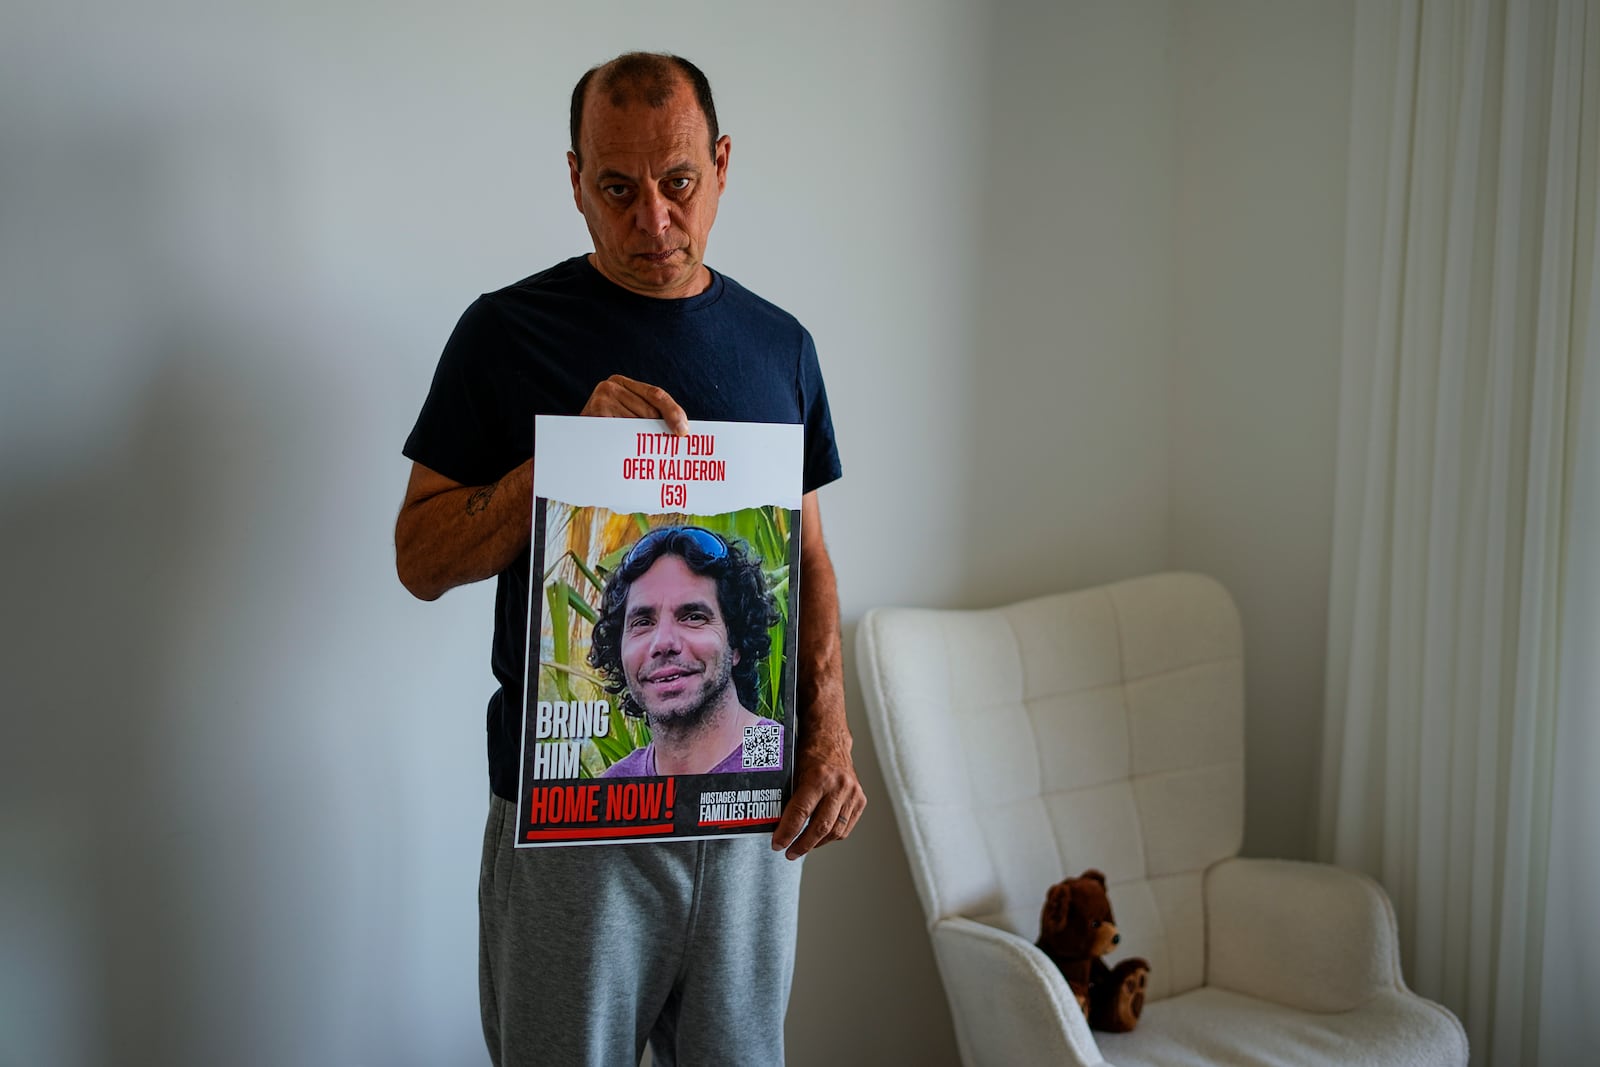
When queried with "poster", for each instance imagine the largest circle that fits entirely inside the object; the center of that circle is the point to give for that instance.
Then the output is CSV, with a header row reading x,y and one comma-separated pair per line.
x,y
659,702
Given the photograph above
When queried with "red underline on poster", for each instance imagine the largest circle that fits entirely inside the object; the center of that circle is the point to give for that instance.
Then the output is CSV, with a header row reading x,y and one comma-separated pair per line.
x,y
742,822
598,831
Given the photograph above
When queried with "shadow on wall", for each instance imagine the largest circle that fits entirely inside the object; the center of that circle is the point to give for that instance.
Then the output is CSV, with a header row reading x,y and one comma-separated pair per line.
x,y
103,563
143,455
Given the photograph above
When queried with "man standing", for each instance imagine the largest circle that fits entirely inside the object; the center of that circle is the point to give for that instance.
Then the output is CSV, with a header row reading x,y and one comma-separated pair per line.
x,y
587,953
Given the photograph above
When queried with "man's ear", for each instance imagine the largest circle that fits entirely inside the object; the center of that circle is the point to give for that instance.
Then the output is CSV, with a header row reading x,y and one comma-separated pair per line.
x,y
722,150
576,175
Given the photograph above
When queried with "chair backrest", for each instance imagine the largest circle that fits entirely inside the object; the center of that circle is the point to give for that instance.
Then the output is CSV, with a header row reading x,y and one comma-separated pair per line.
x,y
1101,728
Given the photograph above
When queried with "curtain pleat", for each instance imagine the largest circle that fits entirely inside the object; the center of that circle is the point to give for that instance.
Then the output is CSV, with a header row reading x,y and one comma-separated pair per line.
x,y
1470,246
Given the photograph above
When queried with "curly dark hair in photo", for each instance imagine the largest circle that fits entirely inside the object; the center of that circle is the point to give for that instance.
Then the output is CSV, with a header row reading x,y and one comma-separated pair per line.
x,y
747,605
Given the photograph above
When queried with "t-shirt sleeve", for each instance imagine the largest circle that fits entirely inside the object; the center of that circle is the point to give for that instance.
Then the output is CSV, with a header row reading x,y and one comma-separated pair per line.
x,y
821,451
458,432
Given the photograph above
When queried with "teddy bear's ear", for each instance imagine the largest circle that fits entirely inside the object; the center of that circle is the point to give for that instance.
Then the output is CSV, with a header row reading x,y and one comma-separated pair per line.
x,y
1056,903
1096,875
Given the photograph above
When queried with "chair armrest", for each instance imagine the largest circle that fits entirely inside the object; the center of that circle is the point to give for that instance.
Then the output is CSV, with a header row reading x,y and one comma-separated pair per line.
x,y
1304,935
1010,1003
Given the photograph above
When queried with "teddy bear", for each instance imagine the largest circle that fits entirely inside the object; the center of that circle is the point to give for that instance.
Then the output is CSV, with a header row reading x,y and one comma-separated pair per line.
x,y
1076,928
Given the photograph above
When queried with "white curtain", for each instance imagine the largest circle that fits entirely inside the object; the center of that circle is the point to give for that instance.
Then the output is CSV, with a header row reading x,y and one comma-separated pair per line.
x,y
1462,751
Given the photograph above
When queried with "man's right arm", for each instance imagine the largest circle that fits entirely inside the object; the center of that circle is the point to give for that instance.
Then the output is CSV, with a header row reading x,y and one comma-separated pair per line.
x,y
449,534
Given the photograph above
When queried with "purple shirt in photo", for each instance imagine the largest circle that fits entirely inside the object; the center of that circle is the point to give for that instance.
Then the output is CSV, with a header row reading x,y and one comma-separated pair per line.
x,y
641,762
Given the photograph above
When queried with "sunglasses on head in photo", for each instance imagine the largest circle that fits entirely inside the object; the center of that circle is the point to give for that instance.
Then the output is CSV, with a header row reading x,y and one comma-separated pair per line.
x,y
705,542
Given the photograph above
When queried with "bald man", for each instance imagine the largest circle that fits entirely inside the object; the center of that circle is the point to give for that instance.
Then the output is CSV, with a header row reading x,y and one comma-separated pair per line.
x,y
588,953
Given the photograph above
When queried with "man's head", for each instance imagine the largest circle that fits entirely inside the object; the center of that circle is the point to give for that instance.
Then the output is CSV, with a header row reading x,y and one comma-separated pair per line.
x,y
684,617
648,168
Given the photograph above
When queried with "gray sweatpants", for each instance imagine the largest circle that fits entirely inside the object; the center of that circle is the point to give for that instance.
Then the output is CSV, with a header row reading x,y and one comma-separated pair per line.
x,y
587,952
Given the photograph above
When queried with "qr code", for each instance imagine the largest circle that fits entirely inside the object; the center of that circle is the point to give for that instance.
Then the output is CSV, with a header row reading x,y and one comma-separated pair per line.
x,y
761,746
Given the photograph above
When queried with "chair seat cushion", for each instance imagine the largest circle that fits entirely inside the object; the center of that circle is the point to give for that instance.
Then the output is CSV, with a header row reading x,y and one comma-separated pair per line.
x,y
1212,1026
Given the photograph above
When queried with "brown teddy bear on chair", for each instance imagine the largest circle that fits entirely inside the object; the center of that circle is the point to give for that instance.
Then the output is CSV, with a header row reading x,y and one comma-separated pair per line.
x,y
1076,928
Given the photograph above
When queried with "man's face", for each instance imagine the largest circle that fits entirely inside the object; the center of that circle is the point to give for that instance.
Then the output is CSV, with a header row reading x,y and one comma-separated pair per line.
x,y
648,191
675,654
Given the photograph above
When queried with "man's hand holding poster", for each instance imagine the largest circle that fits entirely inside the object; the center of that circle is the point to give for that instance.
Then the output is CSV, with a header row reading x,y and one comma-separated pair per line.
x,y
660,691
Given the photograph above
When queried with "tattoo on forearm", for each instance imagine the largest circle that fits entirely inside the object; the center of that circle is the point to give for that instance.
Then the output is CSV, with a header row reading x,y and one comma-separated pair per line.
x,y
479,500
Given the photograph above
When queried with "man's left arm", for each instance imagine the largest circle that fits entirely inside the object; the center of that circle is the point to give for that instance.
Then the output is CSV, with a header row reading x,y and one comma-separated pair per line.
x,y
828,800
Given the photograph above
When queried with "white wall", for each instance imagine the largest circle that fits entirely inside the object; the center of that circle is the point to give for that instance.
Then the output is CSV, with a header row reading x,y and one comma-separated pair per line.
x,y
1264,90
1042,466
242,771
1070,471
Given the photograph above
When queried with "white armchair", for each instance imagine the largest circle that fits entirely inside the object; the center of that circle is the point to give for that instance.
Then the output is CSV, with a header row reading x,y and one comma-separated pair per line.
x,y
1105,729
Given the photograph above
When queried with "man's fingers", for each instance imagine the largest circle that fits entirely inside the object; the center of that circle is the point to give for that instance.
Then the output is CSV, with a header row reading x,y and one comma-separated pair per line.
x,y
849,815
818,828
667,409
618,402
795,815
804,811
812,819
622,397
613,399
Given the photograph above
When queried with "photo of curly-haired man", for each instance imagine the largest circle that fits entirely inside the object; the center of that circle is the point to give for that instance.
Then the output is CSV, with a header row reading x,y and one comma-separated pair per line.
x,y
682,631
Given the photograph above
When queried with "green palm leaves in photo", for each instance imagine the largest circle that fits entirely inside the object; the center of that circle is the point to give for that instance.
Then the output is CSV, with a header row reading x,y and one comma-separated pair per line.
x,y
573,588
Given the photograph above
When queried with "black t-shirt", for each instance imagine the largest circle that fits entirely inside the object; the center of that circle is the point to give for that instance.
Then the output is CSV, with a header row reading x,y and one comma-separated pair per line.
x,y
542,345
